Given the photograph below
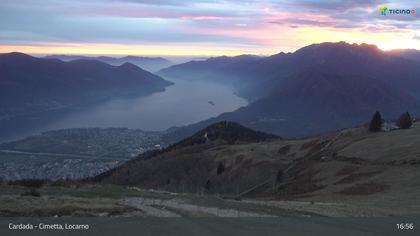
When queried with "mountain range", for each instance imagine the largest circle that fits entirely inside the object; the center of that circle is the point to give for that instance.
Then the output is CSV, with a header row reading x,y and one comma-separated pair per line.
x,y
148,63
317,89
30,85
256,77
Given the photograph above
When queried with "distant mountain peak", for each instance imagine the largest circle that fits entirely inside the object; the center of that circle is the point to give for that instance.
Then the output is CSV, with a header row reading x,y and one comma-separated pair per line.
x,y
327,46
16,54
128,65
243,56
131,57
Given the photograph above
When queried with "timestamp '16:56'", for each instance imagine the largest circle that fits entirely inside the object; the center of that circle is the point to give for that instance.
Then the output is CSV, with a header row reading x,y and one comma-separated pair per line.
x,y
405,226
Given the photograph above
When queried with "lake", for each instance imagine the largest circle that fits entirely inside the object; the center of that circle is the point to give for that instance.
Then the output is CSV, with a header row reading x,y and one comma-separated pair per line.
x,y
183,103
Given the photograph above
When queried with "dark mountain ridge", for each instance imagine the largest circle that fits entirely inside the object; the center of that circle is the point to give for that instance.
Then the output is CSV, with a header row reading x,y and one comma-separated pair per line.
x,y
29,84
213,136
225,131
259,77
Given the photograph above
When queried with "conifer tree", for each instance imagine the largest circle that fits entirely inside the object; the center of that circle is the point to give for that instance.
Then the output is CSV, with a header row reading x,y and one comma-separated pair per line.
x,y
405,121
220,168
376,122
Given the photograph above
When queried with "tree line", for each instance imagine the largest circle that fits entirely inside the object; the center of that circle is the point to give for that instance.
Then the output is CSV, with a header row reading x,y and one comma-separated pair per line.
x,y
404,122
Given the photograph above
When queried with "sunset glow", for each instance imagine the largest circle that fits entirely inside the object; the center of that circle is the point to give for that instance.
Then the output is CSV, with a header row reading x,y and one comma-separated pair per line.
x,y
208,28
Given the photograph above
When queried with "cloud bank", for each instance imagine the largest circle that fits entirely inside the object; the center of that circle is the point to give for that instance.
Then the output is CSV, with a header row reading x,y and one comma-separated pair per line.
x,y
201,27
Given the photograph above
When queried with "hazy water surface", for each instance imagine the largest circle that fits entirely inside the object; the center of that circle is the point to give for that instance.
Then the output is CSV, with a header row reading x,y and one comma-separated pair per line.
x,y
183,103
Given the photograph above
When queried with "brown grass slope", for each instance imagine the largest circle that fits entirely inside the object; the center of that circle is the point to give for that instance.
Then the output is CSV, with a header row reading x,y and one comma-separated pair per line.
x,y
351,164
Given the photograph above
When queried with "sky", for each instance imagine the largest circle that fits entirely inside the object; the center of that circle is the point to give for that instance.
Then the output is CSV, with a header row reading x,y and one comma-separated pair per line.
x,y
200,27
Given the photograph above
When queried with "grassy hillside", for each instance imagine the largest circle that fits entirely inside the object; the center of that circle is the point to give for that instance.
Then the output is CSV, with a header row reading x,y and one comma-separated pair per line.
x,y
347,173
350,165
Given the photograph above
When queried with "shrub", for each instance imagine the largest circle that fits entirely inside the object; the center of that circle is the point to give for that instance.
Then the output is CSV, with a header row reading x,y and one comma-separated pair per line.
x,y
376,122
220,168
279,177
405,121
31,192
31,183
208,185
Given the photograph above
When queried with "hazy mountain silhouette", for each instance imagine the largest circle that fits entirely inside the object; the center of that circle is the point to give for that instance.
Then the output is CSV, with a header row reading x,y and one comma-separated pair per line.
x,y
319,88
411,54
220,69
147,63
255,78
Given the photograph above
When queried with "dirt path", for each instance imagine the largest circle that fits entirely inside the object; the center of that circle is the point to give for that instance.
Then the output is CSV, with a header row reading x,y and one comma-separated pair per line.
x,y
146,205
176,207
